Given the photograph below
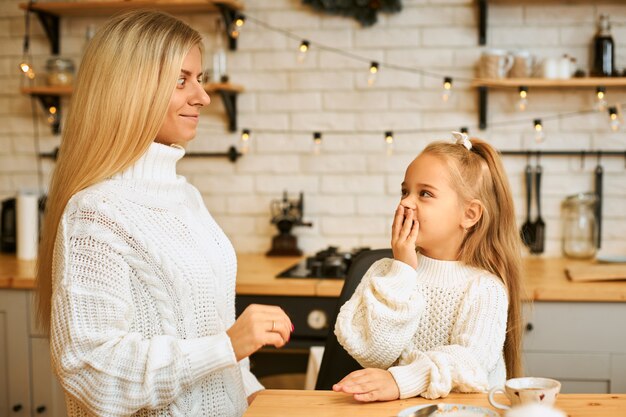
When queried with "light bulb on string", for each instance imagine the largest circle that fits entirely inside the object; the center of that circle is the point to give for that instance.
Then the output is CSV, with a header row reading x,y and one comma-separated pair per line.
x,y
614,119
540,135
601,103
245,140
317,143
53,115
303,50
389,142
447,89
27,69
522,103
235,27
373,72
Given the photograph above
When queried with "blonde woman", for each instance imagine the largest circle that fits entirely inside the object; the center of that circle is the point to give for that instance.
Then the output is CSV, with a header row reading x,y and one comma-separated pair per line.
x,y
136,281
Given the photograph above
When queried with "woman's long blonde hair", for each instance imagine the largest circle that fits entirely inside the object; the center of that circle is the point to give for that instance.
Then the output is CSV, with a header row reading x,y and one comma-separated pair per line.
x,y
122,91
493,243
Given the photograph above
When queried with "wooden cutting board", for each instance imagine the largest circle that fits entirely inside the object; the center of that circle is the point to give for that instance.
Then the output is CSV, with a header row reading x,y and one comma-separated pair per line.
x,y
596,272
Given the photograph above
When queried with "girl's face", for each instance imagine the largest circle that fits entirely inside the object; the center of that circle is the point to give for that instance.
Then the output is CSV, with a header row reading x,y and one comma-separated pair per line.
x,y
427,190
181,118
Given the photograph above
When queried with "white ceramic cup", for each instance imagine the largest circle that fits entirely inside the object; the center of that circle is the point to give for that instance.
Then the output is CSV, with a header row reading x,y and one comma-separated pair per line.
x,y
526,390
551,68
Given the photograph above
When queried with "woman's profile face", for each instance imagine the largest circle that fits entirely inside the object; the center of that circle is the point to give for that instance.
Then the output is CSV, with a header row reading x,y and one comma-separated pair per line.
x,y
183,112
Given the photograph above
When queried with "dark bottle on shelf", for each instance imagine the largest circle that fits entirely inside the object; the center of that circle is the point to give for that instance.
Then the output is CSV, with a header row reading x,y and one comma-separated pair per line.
x,y
603,53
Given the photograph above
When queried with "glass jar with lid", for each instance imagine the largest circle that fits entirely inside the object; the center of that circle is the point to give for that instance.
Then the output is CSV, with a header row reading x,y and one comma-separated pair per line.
x,y
580,228
60,71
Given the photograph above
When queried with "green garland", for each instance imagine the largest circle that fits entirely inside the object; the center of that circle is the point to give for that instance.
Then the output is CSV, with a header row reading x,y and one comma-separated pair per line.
x,y
362,10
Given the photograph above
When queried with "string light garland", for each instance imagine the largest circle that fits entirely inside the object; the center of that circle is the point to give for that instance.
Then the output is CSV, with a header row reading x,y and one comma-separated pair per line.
x,y
305,46
376,66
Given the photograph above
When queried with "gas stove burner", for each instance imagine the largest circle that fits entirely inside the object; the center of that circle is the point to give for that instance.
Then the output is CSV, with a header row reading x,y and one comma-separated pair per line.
x,y
327,263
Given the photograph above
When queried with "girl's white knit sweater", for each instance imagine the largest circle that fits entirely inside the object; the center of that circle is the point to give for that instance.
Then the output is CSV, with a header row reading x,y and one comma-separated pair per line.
x,y
143,293
438,328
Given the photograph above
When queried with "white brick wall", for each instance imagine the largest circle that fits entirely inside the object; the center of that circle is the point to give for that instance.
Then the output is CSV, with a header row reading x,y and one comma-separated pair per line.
x,y
352,187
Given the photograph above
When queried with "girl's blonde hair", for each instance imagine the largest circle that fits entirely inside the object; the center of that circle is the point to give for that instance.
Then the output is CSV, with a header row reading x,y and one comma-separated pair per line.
x,y
493,243
122,91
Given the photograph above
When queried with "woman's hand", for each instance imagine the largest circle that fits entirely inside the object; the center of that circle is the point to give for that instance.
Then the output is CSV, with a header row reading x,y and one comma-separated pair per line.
x,y
404,236
369,384
257,326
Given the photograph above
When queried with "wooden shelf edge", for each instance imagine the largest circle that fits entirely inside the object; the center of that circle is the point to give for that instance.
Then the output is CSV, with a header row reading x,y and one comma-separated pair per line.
x,y
213,87
550,83
85,8
47,90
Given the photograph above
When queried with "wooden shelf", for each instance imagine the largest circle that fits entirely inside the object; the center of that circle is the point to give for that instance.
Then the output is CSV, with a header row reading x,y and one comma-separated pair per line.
x,y
483,86
51,96
50,13
217,87
583,82
68,90
100,8
48,91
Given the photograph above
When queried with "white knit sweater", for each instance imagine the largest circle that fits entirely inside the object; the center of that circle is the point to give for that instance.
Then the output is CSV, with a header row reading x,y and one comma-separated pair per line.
x,y
437,329
143,292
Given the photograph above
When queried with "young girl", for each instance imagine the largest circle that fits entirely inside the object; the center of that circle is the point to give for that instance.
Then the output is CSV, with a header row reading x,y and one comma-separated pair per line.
x,y
444,317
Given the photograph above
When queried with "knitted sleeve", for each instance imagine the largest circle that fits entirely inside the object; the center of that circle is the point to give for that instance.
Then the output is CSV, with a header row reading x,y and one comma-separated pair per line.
x,y
100,362
382,316
475,347
250,383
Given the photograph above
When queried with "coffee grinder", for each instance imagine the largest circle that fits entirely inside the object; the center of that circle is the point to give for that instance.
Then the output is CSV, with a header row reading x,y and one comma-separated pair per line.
x,y
285,215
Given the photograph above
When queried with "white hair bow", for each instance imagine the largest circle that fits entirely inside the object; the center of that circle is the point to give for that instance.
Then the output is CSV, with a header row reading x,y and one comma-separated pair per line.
x,y
462,139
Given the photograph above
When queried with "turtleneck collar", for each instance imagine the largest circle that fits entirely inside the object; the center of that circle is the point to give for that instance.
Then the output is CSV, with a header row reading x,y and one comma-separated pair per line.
x,y
157,164
443,273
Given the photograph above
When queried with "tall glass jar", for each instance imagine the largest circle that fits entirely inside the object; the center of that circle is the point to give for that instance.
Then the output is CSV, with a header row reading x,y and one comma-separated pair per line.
x,y
580,230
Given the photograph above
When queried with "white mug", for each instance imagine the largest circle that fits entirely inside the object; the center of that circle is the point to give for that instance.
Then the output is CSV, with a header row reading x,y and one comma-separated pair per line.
x,y
526,390
567,67
551,68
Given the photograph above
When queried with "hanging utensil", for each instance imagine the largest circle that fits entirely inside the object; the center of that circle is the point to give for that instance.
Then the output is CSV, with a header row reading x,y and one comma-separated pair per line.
x,y
598,174
527,229
539,225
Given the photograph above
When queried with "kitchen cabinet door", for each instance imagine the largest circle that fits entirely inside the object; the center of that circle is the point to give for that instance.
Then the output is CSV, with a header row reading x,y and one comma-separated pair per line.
x,y
48,398
15,380
581,344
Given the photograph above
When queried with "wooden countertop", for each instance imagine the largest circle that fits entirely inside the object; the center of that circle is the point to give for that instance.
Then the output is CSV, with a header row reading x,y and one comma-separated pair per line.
x,y
545,280
272,403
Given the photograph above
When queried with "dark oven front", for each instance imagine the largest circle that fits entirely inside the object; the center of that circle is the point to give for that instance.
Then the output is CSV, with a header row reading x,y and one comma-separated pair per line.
x,y
311,317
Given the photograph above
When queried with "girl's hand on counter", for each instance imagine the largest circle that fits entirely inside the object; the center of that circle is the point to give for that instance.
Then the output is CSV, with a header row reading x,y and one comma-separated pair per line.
x,y
370,384
258,326
404,236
